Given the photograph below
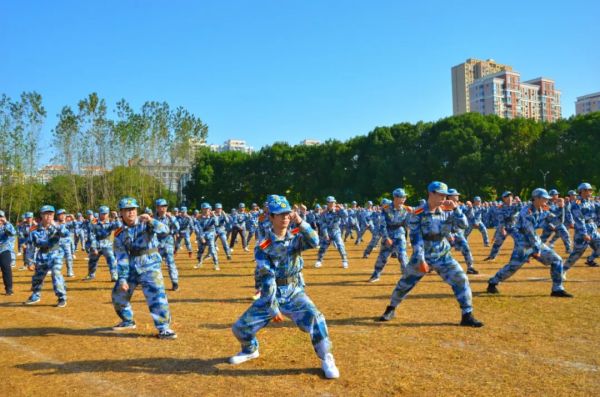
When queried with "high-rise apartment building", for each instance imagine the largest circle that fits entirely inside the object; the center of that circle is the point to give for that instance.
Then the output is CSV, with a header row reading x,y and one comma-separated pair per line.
x,y
464,75
588,103
505,95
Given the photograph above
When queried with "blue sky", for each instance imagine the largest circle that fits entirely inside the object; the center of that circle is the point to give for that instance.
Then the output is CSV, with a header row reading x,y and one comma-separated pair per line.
x,y
288,70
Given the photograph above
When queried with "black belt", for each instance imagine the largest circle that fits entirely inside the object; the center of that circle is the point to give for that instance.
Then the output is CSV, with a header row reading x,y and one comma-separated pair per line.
x,y
143,252
45,250
433,237
281,281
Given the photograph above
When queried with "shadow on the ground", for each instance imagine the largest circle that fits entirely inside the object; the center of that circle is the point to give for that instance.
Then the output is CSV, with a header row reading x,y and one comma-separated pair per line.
x,y
162,365
53,331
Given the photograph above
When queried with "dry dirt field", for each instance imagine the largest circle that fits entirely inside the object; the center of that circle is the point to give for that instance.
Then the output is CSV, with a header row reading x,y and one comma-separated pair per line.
x,y
531,345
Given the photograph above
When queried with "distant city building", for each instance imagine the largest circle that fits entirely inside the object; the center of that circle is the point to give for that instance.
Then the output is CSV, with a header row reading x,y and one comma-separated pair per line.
x,y
310,142
93,170
505,95
48,172
588,103
464,75
168,174
236,145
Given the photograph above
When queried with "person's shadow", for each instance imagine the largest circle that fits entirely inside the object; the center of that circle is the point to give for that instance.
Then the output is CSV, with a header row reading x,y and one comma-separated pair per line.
x,y
162,365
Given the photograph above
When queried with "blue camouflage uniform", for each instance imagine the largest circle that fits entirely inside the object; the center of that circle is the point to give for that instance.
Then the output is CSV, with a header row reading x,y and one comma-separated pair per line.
x,y
186,224
100,245
351,222
280,264
364,221
166,244
330,221
393,229
7,244
139,263
374,223
66,244
238,226
252,224
558,227
528,244
221,225
506,218
79,237
459,241
25,234
204,227
49,257
429,232
585,214
474,216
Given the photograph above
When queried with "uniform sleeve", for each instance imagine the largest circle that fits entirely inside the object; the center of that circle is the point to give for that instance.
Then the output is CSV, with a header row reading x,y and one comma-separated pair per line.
x,y
308,238
416,238
159,228
122,258
530,234
92,236
266,279
578,219
459,220
9,229
383,226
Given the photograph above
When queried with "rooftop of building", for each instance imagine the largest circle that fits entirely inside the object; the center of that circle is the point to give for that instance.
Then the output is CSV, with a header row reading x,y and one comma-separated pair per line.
x,y
588,96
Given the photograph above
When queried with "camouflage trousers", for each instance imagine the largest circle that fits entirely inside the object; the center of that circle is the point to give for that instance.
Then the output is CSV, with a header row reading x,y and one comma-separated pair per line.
x,y
45,263
106,252
153,287
166,249
482,230
450,271
66,244
399,247
580,247
209,241
560,231
521,254
293,303
186,238
461,244
499,239
339,243
375,237
222,235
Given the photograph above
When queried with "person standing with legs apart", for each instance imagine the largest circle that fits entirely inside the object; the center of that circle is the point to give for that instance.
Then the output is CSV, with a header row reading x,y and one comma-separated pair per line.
x,y
46,238
279,270
529,245
430,226
139,263
331,220
166,244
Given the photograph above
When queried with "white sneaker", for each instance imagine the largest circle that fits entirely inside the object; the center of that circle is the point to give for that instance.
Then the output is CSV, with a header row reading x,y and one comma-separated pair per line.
x,y
564,276
345,265
198,265
329,368
318,264
242,357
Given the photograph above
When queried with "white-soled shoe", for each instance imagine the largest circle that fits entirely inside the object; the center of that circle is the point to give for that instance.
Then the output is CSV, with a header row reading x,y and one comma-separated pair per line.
x,y
318,264
242,357
329,368
345,265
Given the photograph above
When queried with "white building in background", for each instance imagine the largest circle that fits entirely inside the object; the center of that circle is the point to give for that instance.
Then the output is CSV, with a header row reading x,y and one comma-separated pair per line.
x,y
310,142
588,103
236,145
46,173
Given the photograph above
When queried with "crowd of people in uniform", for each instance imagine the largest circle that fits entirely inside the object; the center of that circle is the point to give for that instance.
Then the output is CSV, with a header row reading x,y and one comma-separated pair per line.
x,y
135,243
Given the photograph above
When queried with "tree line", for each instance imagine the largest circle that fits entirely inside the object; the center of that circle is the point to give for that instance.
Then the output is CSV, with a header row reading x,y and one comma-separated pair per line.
x,y
478,155
101,155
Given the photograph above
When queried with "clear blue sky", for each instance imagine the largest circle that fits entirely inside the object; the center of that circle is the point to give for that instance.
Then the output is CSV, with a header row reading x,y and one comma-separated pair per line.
x,y
288,70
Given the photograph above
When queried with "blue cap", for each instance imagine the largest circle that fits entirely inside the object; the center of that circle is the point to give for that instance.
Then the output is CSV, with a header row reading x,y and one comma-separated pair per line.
x,y
196,212
89,212
369,202
453,192
29,215
318,206
23,216
46,208
148,211
584,186
399,192
279,205
254,205
386,202
205,206
183,209
437,187
476,198
422,202
354,202
242,205
60,211
2,214
104,209
330,199
218,205
572,193
128,202
176,209
161,202
79,214
553,192
507,193
540,193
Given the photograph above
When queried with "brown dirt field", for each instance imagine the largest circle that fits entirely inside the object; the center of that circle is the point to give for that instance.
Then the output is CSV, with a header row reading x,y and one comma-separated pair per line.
x,y
531,345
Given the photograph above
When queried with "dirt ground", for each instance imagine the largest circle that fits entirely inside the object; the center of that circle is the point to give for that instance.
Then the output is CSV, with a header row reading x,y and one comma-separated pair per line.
x,y
531,345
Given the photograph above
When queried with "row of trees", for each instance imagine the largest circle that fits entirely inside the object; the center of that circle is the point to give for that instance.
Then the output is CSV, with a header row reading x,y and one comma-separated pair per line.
x,y
87,142
478,155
